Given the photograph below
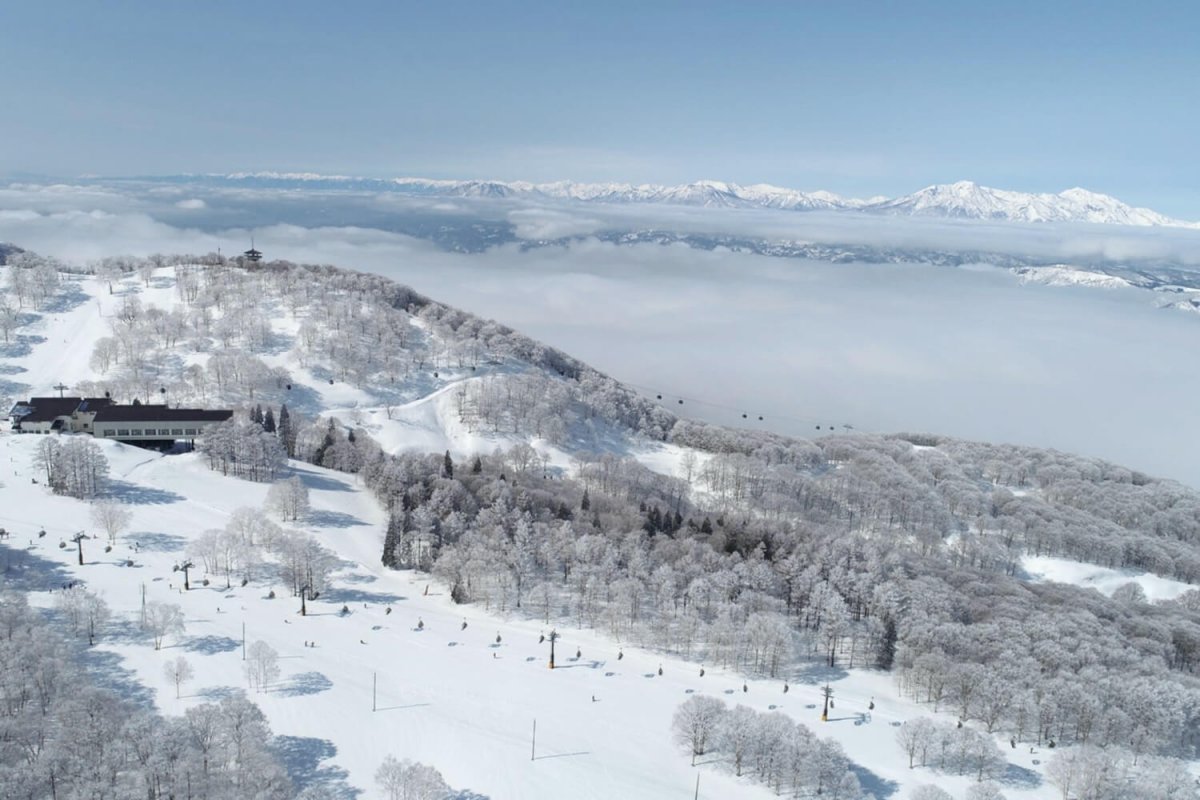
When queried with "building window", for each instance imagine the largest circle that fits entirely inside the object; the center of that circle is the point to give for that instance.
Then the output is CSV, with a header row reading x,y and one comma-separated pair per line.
x,y
190,431
177,431
122,431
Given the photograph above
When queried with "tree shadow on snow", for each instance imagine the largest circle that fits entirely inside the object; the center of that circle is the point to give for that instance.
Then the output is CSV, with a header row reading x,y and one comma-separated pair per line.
x,y
321,483
157,542
870,782
107,672
137,495
333,519
215,694
818,673
211,644
343,594
20,346
27,571
302,757
304,684
1019,777
70,297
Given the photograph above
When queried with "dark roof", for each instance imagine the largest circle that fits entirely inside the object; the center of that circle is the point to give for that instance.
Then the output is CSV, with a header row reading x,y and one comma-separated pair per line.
x,y
46,409
148,413
94,403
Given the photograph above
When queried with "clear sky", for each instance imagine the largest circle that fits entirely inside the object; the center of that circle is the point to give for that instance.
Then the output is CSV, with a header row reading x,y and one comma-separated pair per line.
x,y
855,97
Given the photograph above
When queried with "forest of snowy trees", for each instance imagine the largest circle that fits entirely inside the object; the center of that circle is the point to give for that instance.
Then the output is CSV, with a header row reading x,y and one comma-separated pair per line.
x,y
763,553
62,735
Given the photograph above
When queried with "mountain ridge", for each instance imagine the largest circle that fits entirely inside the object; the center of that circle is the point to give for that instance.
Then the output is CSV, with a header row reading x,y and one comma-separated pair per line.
x,y
959,200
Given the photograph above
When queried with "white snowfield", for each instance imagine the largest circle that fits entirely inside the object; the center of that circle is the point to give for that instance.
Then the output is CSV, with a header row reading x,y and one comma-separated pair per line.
x,y
1102,579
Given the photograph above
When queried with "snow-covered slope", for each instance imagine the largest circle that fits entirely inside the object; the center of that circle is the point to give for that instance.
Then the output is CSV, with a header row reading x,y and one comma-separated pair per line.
x,y
961,200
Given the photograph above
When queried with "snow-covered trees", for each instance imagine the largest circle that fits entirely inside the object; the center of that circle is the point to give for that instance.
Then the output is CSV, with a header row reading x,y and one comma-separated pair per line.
x,y
695,723
408,780
242,448
112,517
178,671
779,753
261,665
289,498
85,611
64,737
304,563
74,466
162,620
958,749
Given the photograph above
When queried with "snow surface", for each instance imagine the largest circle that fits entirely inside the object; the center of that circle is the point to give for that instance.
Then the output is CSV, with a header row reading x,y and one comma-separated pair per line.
x,y
1103,579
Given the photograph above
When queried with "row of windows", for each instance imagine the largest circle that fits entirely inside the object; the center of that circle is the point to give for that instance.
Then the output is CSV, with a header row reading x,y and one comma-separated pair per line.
x,y
153,432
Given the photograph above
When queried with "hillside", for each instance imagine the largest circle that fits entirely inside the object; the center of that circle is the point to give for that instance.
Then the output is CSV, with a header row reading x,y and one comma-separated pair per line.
x,y
928,576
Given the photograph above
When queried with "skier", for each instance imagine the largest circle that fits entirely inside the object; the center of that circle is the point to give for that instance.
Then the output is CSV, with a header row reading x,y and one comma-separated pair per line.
x,y
387,611
541,638
785,687
871,705
578,653
420,624
660,670
464,625
620,654
701,672
497,636
745,688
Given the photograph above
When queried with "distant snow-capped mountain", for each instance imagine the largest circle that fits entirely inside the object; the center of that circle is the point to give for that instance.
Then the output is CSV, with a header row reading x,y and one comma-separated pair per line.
x,y
961,200
971,201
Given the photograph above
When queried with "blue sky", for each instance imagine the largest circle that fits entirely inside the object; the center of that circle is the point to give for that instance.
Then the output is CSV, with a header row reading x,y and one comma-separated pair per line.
x,y
859,98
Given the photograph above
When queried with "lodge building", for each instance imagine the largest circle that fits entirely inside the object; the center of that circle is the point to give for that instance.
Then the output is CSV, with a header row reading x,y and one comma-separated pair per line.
x,y
102,418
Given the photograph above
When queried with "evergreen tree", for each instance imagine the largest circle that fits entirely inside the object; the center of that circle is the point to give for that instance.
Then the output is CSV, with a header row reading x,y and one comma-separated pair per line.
x,y
586,502
887,645
269,421
477,466
447,466
257,414
287,432
706,526
390,540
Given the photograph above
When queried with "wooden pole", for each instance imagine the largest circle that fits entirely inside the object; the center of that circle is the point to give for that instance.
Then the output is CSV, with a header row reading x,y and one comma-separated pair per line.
x,y
533,742
697,795
374,687
243,641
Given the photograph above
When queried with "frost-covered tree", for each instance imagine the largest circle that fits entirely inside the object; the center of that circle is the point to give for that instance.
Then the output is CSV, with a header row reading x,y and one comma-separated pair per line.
x,y
178,671
696,722
112,517
408,780
261,665
289,498
162,620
